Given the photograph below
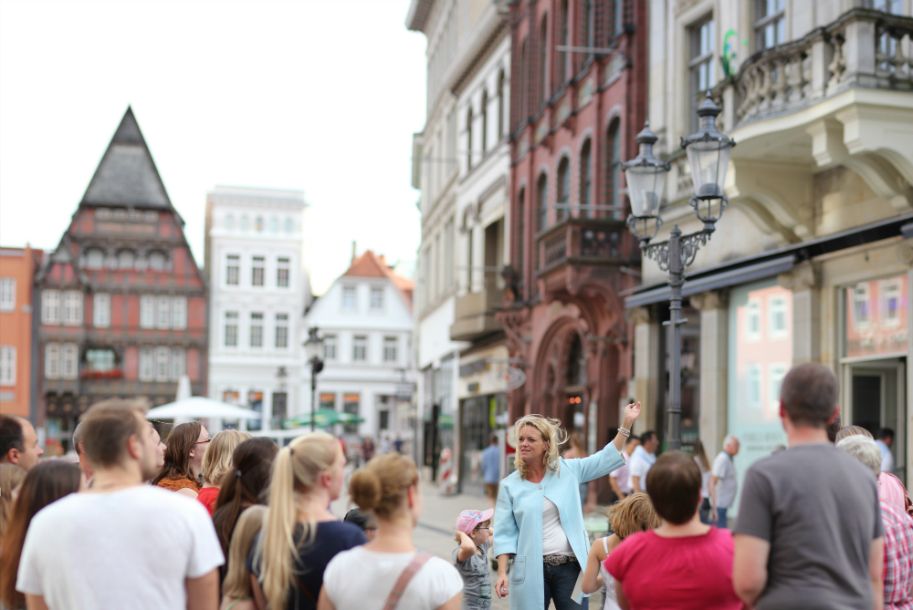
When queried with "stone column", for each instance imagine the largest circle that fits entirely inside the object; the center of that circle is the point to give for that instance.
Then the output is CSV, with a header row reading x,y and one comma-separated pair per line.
x,y
806,326
714,416
646,366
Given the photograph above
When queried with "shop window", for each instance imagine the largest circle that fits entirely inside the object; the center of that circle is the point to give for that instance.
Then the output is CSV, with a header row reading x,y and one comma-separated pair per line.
x,y
350,406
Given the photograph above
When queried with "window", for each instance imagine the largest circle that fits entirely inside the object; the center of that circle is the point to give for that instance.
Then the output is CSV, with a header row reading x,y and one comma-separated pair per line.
x,y
349,298
147,311
100,360
861,311
162,364
7,294
179,313
618,17
69,361
391,349
229,222
377,297
257,270
542,204
50,307
101,310
178,363
280,408
245,223
564,189
327,400
283,269
289,225
230,338
484,134
501,91
589,24
258,224
775,375
701,63
469,139
329,347
233,269
126,259
890,293
94,258
7,365
147,364
521,231
523,88
256,329
447,259
753,386
753,320
350,401
564,57
586,180
769,25
281,330
52,361
777,322
72,308
273,224
359,348
163,312
157,260
613,170
543,61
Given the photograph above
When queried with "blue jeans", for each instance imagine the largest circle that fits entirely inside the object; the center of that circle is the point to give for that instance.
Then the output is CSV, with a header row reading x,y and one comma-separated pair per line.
x,y
721,518
559,583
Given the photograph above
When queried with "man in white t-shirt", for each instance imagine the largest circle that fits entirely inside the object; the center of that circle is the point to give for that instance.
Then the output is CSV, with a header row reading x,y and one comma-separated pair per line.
x,y
620,478
642,460
723,482
121,544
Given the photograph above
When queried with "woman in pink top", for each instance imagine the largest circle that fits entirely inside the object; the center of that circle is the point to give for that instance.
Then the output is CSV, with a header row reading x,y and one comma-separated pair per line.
x,y
683,564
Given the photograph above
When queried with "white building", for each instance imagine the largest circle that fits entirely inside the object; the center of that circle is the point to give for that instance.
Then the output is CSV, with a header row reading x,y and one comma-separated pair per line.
x,y
365,320
258,291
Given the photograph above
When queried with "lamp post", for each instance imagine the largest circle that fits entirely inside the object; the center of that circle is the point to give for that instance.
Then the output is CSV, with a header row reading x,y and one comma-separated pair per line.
x,y
313,348
708,152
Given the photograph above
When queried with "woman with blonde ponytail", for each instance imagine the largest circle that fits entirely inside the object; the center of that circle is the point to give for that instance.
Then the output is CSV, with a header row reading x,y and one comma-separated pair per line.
x,y
301,535
388,572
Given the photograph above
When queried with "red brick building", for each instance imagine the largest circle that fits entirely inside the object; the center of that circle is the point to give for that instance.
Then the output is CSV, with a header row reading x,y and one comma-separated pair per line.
x,y
121,303
17,276
578,97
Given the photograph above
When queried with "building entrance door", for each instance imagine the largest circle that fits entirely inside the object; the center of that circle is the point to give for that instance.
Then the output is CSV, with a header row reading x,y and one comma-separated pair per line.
x,y
877,400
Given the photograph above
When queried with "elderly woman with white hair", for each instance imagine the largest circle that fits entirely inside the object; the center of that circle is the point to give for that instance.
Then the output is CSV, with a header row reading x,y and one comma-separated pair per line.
x,y
539,516
898,529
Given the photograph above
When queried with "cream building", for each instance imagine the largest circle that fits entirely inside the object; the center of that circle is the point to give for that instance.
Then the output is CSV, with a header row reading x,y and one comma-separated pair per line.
x,y
811,260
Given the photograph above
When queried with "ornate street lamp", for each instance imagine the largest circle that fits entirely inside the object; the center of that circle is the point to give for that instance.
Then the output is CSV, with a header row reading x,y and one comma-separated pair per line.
x,y
313,349
708,152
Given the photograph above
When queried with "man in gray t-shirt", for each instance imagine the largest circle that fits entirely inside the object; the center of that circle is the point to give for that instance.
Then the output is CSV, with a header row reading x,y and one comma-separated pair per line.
x,y
808,534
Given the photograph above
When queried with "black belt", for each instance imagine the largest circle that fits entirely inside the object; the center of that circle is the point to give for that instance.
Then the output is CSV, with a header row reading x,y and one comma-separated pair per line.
x,y
558,560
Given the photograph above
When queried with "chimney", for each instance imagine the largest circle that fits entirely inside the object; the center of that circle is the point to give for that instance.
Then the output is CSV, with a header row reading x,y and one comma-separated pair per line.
x,y
354,250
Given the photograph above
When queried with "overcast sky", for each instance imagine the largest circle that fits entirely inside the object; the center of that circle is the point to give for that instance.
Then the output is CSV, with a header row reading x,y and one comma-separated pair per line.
x,y
317,95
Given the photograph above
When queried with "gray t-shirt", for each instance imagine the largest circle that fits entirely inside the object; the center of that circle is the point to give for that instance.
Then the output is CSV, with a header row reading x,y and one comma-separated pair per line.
x,y
818,509
724,470
476,579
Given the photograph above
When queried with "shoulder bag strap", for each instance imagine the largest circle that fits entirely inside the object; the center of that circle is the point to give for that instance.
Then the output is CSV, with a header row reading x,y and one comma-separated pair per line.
x,y
405,577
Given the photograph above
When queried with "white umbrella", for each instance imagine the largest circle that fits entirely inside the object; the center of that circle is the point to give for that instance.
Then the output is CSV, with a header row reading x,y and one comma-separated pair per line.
x,y
200,407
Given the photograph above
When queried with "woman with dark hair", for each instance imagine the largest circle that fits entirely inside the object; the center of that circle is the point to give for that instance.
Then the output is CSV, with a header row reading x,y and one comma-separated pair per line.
x,y
184,452
47,482
243,486
683,564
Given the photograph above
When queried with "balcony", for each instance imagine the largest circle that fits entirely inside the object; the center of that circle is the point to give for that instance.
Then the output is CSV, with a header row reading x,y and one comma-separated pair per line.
x,y
474,313
584,242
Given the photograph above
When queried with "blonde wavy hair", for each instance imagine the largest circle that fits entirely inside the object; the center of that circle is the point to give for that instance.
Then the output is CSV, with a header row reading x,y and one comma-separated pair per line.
x,y
295,471
552,433
237,579
217,459
633,514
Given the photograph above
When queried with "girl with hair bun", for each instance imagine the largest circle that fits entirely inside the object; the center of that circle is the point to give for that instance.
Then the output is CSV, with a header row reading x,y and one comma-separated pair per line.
x,y
301,535
389,569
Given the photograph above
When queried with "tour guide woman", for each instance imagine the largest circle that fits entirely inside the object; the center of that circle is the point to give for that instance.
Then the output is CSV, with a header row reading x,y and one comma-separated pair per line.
x,y
539,515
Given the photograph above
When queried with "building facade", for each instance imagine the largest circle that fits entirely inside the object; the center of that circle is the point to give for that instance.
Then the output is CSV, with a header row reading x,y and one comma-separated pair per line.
x,y
578,96
121,302
258,292
17,278
365,320
811,260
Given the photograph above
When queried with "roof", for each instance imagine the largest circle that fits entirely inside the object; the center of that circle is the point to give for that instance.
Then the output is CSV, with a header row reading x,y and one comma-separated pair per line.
x,y
372,265
126,175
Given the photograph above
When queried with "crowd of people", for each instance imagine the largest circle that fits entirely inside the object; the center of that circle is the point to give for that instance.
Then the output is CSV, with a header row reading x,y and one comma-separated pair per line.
x,y
235,522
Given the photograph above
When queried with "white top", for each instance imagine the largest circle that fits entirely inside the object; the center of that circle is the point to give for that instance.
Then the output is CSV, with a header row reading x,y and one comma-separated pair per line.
x,y
640,465
705,478
611,599
724,469
130,548
622,475
887,460
359,579
554,540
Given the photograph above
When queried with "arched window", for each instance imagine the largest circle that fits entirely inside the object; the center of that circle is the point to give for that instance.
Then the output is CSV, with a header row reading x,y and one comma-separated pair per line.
x,y
469,139
126,259
564,189
501,106
484,135
523,89
543,61
157,260
562,58
542,203
586,180
575,371
94,258
613,170
521,231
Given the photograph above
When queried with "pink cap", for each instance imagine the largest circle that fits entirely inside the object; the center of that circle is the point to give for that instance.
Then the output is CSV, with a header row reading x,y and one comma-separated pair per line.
x,y
470,519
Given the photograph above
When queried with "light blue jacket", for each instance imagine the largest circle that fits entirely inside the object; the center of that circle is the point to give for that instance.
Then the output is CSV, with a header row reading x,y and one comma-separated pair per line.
x,y
518,521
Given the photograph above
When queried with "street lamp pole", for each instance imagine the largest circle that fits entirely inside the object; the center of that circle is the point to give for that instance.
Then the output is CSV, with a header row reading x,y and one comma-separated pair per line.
x,y
314,350
708,153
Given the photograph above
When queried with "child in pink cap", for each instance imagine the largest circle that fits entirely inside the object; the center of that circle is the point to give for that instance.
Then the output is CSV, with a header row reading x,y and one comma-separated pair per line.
x,y
471,557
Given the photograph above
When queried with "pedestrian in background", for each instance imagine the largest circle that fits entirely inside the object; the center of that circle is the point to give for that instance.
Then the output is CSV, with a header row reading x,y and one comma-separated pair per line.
x,y
44,484
217,463
898,530
723,482
631,515
682,564
491,468
237,593
11,477
19,442
539,516
245,486
184,459
301,535
389,569
642,460
574,449
121,544
809,532
700,458
884,442
473,534
620,478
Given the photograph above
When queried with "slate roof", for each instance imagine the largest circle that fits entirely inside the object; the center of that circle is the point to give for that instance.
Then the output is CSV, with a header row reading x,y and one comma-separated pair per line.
x,y
126,175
